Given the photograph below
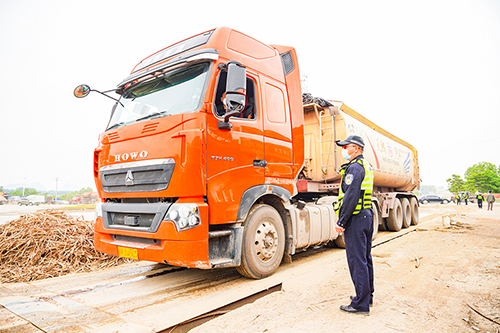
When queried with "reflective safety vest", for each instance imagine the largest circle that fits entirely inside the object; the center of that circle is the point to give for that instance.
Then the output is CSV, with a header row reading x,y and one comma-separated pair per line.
x,y
365,201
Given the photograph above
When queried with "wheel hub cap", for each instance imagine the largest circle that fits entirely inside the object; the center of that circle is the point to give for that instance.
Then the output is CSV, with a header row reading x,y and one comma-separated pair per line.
x,y
266,241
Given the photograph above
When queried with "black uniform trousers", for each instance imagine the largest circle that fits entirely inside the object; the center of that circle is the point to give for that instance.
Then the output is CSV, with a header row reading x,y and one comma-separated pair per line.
x,y
358,244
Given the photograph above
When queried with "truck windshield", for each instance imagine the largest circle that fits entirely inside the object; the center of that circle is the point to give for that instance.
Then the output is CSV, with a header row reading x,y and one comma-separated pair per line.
x,y
178,91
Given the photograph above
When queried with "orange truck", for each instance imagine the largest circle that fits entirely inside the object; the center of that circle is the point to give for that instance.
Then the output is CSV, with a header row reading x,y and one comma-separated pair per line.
x,y
211,159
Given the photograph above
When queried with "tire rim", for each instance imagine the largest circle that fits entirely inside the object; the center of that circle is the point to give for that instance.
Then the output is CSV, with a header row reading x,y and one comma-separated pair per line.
x,y
266,241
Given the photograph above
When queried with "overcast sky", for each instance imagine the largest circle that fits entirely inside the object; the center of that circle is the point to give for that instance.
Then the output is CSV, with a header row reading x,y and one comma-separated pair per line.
x,y
426,71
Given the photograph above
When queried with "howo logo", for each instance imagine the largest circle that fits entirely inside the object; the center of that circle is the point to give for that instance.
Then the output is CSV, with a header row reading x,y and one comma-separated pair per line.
x,y
130,156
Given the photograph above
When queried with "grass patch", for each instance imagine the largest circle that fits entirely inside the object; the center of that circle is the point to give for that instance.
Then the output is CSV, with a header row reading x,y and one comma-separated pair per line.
x,y
79,207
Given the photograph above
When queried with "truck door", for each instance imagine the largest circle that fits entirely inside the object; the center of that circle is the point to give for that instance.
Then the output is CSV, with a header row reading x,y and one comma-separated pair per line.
x,y
235,157
277,135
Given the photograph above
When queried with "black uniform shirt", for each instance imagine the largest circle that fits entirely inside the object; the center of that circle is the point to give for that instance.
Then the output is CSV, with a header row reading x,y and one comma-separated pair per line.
x,y
351,186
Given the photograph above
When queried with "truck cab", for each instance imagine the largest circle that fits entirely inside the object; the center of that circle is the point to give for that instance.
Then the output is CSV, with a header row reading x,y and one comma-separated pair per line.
x,y
204,129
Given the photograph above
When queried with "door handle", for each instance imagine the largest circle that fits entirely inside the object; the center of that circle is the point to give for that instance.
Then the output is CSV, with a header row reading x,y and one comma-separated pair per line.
x,y
259,163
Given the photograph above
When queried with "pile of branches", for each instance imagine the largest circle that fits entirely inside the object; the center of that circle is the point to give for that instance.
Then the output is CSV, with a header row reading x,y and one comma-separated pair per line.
x,y
46,244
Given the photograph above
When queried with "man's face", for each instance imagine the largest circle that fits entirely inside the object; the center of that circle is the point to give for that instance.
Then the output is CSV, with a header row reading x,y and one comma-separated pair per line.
x,y
351,148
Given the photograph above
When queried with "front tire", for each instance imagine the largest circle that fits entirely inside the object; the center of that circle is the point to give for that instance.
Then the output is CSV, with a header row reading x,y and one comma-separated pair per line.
x,y
263,243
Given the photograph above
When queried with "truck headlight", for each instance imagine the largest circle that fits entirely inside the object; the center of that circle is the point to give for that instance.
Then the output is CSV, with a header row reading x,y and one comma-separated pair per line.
x,y
185,216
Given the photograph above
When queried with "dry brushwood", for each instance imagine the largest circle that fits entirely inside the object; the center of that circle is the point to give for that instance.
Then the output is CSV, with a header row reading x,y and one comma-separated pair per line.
x,y
46,244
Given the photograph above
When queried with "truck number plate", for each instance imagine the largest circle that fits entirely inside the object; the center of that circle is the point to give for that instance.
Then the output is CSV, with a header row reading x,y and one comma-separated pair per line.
x,y
127,252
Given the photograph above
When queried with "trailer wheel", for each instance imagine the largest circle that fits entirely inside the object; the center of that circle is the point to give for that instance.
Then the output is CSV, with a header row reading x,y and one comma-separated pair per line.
x,y
376,220
263,243
414,211
395,218
405,205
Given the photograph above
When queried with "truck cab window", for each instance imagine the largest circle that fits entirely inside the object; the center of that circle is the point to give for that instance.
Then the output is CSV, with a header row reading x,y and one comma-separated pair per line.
x,y
178,91
250,106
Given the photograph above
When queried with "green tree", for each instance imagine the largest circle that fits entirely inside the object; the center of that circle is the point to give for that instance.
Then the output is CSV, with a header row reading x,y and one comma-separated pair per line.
x,y
27,191
455,184
80,192
483,177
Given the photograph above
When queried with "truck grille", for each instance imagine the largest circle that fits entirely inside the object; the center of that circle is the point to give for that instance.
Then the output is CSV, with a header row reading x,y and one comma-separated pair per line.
x,y
140,176
134,216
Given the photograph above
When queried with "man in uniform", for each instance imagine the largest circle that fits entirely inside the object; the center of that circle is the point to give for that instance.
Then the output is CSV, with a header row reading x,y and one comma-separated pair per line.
x,y
355,220
480,199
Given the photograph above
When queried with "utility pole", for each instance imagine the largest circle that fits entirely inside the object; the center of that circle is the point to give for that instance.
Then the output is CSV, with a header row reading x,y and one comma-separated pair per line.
x,y
56,186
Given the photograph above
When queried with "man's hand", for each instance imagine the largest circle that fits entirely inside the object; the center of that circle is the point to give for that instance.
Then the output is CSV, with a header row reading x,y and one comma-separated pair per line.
x,y
339,229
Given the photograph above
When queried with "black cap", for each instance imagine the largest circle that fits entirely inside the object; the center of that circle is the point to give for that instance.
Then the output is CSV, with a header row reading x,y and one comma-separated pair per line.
x,y
357,140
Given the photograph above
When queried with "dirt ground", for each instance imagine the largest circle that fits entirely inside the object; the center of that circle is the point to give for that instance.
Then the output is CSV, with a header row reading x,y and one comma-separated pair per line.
x,y
434,279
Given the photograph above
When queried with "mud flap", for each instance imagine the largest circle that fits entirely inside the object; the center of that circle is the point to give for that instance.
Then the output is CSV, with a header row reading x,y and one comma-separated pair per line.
x,y
224,247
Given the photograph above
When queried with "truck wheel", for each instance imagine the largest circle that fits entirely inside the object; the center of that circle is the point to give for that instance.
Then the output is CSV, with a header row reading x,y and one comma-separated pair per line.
x,y
395,218
414,211
376,221
405,205
20,203
263,243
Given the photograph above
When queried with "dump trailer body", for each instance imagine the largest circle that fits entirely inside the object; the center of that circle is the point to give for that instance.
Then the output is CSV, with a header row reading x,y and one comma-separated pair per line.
x,y
395,162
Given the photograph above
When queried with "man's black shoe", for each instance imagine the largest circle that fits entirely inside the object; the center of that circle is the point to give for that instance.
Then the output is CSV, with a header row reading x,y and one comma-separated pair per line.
x,y
350,309
353,297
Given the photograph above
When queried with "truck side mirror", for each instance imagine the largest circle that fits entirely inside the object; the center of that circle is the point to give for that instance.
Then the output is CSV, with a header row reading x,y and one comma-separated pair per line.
x,y
81,91
236,87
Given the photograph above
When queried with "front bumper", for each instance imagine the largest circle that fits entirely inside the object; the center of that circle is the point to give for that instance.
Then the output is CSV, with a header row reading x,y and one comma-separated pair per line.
x,y
163,243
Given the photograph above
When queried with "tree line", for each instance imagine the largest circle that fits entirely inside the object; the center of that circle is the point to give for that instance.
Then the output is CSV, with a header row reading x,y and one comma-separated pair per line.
x,y
32,191
482,177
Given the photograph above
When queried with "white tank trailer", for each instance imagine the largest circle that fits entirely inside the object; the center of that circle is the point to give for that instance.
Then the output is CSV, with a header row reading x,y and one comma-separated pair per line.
x,y
394,161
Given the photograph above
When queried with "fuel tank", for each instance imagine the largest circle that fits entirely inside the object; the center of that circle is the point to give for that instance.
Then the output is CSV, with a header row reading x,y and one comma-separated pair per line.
x,y
394,161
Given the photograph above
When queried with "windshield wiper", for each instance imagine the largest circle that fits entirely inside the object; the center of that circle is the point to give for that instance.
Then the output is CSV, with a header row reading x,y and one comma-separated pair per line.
x,y
155,115
116,125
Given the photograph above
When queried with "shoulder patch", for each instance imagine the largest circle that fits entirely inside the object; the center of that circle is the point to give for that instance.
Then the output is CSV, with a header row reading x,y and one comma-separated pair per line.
x,y
348,178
